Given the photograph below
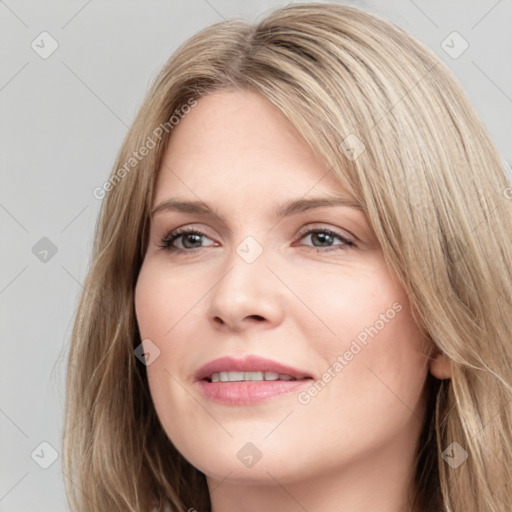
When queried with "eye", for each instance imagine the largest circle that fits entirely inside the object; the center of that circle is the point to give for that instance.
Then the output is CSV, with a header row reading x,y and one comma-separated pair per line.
x,y
326,237
190,239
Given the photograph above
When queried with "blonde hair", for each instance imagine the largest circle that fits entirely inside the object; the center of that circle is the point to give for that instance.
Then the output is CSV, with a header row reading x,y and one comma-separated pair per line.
x,y
432,185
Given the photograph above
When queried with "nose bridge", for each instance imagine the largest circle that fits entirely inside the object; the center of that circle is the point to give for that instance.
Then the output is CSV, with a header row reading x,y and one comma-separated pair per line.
x,y
248,289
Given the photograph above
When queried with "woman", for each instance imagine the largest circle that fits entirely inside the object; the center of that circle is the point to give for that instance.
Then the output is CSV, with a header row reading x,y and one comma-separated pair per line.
x,y
300,290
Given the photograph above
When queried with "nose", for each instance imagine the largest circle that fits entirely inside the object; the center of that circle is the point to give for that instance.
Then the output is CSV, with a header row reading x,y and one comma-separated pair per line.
x,y
247,294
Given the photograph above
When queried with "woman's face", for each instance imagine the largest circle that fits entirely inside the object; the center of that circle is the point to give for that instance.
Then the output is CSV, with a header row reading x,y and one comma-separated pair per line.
x,y
273,274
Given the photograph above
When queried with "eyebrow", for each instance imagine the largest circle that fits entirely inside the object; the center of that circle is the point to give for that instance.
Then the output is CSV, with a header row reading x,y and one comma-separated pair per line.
x,y
286,209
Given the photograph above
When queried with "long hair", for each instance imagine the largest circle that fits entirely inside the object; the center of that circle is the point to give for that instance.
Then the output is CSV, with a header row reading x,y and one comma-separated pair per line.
x,y
394,126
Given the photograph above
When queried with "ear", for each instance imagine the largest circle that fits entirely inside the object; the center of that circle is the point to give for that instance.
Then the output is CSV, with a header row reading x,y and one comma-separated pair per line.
x,y
439,365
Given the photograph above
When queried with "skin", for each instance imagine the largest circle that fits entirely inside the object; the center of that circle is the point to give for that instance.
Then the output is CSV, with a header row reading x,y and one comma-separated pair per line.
x,y
301,302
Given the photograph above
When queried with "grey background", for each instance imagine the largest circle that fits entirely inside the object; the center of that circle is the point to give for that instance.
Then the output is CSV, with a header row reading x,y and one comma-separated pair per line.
x,y
62,120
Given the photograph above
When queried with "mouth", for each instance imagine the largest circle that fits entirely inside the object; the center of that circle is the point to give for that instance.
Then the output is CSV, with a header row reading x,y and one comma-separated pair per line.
x,y
249,380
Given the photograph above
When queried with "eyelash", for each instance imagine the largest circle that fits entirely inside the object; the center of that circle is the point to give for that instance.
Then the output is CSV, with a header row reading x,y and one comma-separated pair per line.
x,y
166,243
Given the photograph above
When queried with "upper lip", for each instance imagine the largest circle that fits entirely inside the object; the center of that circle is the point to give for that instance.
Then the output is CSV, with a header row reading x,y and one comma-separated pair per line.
x,y
249,363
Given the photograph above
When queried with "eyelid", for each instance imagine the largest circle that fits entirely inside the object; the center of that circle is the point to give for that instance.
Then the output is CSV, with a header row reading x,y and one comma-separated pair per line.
x,y
308,227
318,226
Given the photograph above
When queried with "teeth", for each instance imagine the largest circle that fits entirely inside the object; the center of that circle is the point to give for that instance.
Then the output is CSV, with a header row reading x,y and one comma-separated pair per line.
x,y
245,376
229,376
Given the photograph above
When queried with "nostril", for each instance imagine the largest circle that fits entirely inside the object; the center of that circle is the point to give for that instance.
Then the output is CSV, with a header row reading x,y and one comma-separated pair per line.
x,y
218,320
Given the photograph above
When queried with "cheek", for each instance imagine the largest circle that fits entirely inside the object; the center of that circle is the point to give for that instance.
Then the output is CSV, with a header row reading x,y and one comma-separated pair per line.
x,y
162,298
166,307
370,344
158,308
350,303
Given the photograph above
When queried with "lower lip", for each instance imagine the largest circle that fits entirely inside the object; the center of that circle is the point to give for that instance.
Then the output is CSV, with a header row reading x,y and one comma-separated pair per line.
x,y
249,392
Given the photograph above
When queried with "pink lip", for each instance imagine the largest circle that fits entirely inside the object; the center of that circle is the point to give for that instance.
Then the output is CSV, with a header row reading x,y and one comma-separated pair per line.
x,y
246,393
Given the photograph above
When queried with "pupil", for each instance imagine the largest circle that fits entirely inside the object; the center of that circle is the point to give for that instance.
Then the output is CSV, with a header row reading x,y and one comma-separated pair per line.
x,y
188,237
323,237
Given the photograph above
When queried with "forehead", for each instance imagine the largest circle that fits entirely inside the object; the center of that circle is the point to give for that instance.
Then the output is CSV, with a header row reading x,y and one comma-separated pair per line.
x,y
235,142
